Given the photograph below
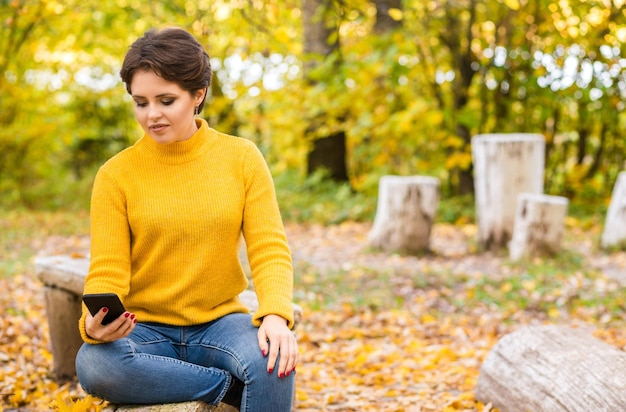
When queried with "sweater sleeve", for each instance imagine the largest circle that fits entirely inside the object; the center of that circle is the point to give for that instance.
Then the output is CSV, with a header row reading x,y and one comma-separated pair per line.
x,y
109,269
268,251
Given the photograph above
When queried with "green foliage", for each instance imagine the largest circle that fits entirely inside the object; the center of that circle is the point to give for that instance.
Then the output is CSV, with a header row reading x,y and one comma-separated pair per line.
x,y
408,101
318,199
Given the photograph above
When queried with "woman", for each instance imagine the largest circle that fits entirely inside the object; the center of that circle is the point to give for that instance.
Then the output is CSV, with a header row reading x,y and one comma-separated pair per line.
x,y
166,218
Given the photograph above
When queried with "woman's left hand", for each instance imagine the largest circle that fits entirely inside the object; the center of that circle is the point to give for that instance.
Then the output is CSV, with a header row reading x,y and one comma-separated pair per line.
x,y
275,336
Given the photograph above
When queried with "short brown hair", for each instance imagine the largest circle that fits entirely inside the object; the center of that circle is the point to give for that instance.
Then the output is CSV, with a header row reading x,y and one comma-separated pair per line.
x,y
173,54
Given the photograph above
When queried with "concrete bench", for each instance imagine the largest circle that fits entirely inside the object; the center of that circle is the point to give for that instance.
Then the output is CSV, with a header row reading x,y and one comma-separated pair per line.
x,y
63,277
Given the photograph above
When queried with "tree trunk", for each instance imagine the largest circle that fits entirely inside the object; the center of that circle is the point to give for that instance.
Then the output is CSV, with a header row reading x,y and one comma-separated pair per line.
x,y
384,22
505,165
327,152
405,213
539,225
614,234
553,368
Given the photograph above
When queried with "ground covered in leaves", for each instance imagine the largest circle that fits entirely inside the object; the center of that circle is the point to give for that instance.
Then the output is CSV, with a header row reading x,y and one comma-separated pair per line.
x,y
381,332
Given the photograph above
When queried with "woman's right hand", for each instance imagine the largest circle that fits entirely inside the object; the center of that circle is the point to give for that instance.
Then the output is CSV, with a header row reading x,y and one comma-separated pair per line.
x,y
119,328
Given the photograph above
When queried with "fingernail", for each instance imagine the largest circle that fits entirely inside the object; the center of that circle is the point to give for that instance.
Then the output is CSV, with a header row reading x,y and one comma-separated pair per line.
x,y
126,314
132,316
281,375
134,320
287,374
264,352
270,370
105,310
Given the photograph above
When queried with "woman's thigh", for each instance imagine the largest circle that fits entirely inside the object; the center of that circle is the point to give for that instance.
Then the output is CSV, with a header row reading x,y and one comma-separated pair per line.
x,y
231,343
121,371
228,343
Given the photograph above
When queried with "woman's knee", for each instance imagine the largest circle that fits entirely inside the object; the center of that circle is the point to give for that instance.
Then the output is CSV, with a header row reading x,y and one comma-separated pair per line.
x,y
100,366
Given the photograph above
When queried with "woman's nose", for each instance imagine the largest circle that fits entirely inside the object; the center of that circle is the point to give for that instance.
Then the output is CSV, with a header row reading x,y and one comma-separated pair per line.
x,y
154,112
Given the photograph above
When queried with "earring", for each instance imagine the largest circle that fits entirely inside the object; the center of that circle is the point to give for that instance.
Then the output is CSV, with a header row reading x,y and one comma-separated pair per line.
x,y
196,111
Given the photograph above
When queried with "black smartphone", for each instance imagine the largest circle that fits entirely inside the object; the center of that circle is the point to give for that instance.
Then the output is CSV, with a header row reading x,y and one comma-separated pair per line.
x,y
96,301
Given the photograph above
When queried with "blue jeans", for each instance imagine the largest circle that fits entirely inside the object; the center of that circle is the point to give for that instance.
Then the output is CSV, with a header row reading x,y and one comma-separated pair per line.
x,y
165,364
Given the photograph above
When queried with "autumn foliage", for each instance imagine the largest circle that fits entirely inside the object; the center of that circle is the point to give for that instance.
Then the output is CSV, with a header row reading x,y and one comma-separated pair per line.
x,y
380,332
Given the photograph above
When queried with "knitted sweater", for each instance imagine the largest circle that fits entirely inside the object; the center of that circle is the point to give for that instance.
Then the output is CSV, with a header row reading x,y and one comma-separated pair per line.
x,y
166,222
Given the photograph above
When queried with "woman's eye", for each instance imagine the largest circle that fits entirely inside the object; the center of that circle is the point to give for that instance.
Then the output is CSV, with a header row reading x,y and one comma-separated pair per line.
x,y
139,104
168,102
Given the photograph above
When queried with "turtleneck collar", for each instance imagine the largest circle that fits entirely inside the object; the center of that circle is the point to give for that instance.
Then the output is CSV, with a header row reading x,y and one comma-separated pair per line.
x,y
183,151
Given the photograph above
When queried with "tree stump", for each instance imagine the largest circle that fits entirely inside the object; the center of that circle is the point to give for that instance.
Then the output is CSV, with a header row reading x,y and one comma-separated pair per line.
x,y
405,213
539,225
504,166
553,368
614,233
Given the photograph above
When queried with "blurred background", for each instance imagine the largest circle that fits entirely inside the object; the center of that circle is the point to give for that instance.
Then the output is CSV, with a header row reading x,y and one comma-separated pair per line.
x,y
336,93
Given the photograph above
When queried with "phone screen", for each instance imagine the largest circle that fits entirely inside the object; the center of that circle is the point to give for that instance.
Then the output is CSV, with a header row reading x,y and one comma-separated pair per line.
x,y
111,301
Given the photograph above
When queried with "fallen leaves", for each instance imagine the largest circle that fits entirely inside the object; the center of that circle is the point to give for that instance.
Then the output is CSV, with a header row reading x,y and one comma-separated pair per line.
x,y
25,358
380,332
392,360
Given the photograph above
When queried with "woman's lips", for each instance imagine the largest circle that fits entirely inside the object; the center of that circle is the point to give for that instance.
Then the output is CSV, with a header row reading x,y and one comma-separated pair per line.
x,y
158,128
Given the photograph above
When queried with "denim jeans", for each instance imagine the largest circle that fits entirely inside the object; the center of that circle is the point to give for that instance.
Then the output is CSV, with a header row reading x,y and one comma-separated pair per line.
x,y
164,364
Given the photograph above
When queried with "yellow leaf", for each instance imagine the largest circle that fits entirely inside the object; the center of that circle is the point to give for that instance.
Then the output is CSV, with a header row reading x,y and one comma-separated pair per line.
x,y
396,14
392,393
512,4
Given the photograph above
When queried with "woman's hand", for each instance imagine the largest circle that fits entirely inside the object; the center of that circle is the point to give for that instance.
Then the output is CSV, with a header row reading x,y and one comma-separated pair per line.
x,y
275,336
119,328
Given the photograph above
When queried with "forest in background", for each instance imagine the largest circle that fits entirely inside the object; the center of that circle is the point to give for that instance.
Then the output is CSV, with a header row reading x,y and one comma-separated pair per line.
x,y
357,88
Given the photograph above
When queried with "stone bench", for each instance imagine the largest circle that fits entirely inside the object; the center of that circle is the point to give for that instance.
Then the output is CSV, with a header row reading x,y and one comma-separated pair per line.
x,y
193,406
63,277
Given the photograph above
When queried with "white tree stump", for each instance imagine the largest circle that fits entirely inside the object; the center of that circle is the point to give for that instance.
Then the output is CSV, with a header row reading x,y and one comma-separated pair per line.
x,y
504,166
553,368
614,233
405,213
539,225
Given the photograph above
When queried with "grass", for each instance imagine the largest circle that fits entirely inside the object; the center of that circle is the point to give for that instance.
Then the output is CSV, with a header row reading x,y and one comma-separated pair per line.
x,y
23,231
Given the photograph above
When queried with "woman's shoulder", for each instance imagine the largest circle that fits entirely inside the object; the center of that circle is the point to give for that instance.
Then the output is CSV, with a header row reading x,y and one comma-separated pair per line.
x,y
237,147
122,159
234,141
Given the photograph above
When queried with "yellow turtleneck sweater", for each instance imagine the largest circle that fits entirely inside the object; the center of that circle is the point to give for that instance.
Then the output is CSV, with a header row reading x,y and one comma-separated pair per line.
x,y
166,222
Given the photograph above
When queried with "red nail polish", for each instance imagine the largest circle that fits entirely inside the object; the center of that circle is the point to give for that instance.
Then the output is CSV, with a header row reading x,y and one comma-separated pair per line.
x,y
281,375
126,314
270,371
132,316
105,310
264,352
134,320
287,374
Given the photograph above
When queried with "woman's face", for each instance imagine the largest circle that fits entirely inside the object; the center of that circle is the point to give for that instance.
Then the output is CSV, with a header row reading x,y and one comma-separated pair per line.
x,y
163,109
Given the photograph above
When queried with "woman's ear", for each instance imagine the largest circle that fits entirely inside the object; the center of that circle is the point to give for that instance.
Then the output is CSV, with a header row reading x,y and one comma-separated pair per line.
x,y
199,96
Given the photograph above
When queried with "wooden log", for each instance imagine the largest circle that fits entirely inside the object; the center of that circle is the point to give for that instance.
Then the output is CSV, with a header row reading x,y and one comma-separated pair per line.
x,y
405,213
553,368
539,225
505,165
614,233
